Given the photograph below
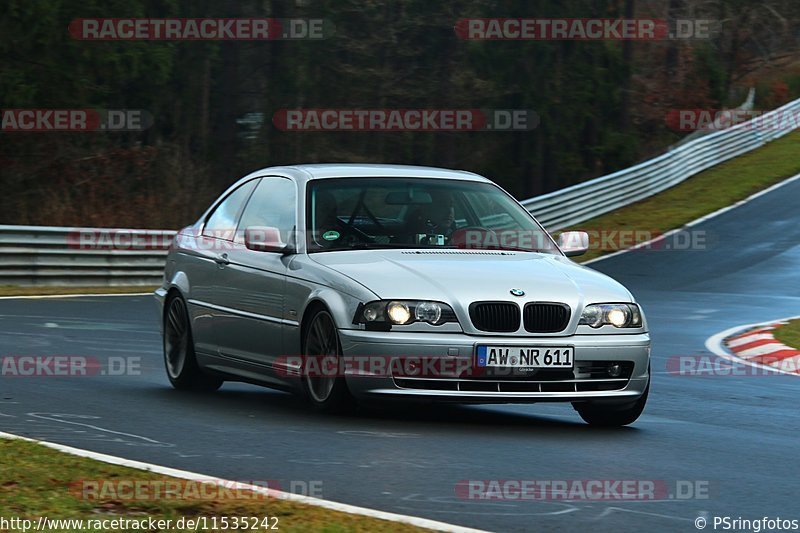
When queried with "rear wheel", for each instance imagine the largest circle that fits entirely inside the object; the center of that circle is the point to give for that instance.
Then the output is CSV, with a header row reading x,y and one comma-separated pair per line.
x,y
325,388
179,357
612,415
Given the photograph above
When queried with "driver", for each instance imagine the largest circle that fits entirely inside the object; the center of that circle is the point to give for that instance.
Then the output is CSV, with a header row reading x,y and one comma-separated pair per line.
x,y
436,218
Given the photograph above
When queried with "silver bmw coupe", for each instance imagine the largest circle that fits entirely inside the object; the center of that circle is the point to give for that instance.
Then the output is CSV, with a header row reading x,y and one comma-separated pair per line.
x,y
350,283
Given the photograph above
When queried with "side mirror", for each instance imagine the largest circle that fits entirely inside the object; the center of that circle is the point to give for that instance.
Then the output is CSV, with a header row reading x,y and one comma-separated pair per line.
x,y
573,243
264,239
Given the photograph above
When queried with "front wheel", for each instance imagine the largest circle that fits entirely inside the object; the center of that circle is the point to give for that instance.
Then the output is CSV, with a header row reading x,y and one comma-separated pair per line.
x,y
610,415
325,388
179,358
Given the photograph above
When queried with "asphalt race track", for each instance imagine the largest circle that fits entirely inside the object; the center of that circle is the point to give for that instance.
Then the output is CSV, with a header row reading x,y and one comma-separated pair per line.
x,y
737,433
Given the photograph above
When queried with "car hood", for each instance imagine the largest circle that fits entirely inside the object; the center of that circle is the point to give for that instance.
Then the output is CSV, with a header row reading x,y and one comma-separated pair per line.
x,y
461,277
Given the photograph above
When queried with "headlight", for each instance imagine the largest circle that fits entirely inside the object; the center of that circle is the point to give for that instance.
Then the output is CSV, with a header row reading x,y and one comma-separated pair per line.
x,y
430,312
400,312
617,315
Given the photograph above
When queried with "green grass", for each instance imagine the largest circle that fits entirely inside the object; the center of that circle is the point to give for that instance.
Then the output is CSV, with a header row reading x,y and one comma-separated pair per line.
x,y
789,334
35,481
13,290
702,194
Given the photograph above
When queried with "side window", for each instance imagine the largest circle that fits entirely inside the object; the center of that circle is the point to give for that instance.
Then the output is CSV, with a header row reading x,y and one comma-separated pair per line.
x,y
273,204
222,222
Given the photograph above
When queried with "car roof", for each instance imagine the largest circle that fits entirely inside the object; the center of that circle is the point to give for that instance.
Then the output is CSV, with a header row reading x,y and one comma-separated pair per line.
x,y
354,170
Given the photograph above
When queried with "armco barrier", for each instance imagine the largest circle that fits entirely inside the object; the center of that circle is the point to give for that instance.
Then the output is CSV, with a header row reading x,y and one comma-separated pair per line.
x,y
37,255
578,203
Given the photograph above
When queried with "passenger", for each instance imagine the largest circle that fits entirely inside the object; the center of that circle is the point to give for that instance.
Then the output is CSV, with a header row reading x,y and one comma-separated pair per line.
x,y
327,226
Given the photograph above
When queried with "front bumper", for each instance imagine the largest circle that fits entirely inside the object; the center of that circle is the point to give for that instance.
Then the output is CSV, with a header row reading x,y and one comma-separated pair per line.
x,y
457,349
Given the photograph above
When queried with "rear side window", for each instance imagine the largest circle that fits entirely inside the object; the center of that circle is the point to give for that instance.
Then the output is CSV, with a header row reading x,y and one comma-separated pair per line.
x,y
222,221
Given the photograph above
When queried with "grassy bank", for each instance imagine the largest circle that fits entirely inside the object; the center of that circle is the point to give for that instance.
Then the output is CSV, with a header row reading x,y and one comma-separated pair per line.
x,y
789,334
12,290
38,481
700,195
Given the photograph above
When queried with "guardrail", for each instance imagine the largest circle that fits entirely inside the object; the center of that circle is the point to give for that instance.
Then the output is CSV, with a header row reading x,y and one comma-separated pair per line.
x,y
578,203
37,255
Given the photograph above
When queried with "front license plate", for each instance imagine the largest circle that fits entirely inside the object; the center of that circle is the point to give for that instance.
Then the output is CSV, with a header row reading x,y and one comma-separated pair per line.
x,y
525,356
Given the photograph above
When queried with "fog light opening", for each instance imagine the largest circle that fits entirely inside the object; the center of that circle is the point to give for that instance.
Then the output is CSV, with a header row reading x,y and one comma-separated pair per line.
x,y
615,370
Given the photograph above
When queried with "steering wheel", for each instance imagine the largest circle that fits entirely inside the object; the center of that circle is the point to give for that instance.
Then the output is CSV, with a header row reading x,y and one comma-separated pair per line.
x,y
352,230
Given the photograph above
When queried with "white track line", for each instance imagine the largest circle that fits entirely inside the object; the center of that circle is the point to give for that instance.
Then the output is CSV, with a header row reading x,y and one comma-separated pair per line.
x,y
714,344
44,296
297,498
700,220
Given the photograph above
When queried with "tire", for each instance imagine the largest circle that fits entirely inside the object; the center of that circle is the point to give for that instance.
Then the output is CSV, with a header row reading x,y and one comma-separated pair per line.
x,y
179,357
611,415
321,339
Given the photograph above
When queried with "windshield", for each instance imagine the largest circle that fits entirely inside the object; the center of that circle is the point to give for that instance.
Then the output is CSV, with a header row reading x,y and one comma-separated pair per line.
x,y
358,213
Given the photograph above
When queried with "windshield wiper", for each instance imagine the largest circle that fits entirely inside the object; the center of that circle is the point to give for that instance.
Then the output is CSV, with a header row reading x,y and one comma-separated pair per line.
x,y
377,245
518,249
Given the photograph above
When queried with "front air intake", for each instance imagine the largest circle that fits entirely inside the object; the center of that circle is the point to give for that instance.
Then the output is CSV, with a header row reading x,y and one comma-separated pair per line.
x,y
497,317
542,317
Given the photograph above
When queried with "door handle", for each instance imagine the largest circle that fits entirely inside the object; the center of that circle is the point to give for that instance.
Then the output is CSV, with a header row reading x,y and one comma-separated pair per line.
x,y
222,259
